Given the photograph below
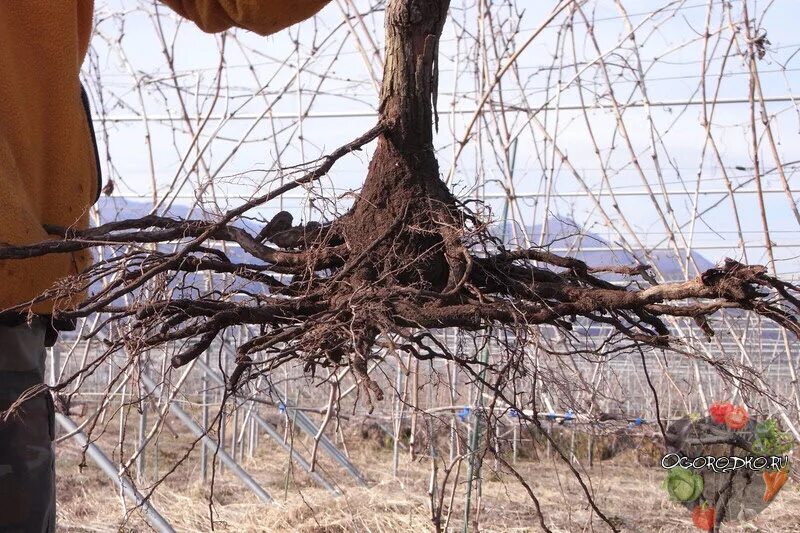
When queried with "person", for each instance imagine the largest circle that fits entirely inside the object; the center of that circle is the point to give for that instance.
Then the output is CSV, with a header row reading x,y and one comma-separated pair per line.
x,y
50,175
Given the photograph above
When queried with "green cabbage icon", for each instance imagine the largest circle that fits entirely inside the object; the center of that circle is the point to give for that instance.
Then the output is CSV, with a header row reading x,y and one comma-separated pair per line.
x,y
683,485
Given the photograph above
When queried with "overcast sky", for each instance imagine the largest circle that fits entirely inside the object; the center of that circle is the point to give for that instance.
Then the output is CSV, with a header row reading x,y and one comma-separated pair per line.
x,y
336,90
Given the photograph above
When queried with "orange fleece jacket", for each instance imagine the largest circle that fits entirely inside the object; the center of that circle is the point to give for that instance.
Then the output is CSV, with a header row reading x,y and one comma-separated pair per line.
x,y
48,172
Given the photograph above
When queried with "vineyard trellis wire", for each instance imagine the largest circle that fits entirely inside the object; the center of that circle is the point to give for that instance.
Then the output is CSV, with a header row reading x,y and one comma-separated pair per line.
x,y
562,123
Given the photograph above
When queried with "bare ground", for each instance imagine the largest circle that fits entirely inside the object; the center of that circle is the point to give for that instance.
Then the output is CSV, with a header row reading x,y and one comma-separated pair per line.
x,y
628,493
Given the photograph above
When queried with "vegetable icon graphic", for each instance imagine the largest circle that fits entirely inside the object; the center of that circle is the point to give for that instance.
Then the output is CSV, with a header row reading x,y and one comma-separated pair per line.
x,y
737,418
770,440
774,480
726,465
703,517
683,485
719,410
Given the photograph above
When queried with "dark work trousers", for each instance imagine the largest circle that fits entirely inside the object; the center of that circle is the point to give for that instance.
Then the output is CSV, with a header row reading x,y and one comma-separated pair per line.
x,y
27,461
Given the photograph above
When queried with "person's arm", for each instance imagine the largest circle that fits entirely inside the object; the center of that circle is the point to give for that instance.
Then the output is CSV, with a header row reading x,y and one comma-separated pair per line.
x,y
261,16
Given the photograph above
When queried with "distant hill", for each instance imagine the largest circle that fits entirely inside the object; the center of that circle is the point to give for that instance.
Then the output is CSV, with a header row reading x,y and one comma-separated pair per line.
x,y
568,238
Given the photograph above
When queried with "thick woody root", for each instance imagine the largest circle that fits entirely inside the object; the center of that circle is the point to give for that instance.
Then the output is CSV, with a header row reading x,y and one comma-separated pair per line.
x,y
405,260
332,314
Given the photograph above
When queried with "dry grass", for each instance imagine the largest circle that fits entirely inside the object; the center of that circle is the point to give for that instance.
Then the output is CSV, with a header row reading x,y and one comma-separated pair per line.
x,y
627,492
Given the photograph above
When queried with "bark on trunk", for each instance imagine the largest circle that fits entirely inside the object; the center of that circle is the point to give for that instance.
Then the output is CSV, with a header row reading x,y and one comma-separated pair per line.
x,y
403,188
404,159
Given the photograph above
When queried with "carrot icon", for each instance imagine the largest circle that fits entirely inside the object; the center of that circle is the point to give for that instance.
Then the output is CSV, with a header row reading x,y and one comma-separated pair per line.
x,y
774,480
